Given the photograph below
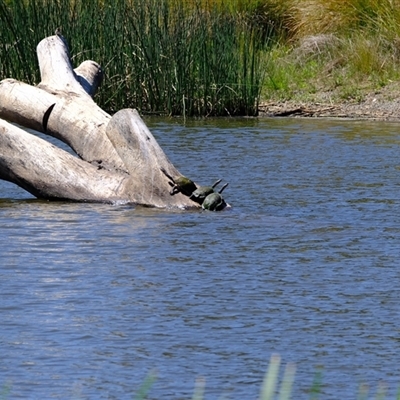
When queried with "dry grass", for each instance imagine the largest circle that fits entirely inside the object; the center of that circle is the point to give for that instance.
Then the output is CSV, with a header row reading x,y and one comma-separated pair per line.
x,y
344,48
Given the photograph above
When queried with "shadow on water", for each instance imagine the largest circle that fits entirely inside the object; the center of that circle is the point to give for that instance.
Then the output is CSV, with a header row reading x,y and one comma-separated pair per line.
x,y
95,296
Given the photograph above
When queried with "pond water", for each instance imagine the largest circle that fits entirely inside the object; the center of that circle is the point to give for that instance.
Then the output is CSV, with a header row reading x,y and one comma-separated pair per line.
x,y
305,264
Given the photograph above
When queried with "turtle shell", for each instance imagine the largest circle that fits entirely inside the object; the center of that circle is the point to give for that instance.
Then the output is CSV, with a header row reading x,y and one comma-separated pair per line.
x,y
202,192
214,201
183,185
180,184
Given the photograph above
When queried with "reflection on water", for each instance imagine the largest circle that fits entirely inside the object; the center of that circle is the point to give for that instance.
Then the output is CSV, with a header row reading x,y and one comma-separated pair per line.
x,y
94,297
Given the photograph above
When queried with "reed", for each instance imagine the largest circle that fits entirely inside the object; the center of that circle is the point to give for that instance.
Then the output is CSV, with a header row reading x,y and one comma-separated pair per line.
x,y
275,386
160,56
211,57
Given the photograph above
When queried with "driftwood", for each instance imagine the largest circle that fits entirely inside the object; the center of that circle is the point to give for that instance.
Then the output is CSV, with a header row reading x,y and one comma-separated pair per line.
x,y
118,157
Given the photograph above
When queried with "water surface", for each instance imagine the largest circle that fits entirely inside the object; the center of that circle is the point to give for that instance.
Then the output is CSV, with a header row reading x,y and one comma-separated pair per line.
x,y
305,264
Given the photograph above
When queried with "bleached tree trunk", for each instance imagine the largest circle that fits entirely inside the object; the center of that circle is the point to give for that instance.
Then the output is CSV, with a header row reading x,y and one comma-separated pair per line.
x,y
118,157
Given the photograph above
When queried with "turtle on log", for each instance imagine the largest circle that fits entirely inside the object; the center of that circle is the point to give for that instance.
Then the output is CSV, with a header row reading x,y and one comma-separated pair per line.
x,y
202,192
180,184
214,201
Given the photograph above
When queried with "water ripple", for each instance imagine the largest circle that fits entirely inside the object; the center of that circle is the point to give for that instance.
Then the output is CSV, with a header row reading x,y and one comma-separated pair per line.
x,y
93,297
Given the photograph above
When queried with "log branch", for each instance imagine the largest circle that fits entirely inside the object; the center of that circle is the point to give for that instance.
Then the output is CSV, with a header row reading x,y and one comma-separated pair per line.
x,y
119,159
47,171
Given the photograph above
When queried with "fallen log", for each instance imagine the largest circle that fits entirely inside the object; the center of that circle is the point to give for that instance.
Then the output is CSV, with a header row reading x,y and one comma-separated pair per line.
x,y
118,159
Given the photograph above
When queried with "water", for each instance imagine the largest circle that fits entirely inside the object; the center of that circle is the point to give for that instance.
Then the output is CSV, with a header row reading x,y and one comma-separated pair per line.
x,y
305,264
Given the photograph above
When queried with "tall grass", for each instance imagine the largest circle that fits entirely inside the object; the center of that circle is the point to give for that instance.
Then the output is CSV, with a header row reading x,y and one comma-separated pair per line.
x,y
209,57
160,56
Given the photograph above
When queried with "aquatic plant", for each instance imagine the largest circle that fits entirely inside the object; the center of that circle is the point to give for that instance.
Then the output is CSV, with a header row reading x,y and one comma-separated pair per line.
x,y
146,386
270,388
210,57
159,56
5,390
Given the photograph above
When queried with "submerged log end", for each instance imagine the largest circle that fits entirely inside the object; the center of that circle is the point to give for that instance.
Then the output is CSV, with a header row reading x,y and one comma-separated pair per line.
x,y
145,161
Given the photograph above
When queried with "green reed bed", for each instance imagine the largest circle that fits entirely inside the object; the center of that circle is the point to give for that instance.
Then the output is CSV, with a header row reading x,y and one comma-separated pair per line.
x,y
159,56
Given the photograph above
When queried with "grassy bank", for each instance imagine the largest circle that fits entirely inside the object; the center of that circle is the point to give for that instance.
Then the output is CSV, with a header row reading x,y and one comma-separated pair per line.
x,y
333,50
160,56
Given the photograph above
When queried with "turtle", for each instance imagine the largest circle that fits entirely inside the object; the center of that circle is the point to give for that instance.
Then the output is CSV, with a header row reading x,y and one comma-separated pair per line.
x,y
180,184
214,201
203,191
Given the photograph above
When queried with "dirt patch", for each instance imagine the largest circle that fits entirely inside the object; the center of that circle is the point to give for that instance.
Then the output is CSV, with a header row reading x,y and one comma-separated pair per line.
x,y
383,105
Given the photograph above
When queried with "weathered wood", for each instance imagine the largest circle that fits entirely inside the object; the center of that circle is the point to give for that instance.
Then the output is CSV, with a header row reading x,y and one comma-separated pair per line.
x,y
143,158
49,172
89,75
120,158
78,122
55,67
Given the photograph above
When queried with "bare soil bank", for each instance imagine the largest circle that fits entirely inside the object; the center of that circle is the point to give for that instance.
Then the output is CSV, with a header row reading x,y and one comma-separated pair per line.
x,y
382,105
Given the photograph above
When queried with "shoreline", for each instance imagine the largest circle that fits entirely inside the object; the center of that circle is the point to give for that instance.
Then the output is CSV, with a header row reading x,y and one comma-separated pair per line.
x,y
382,105
362,111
